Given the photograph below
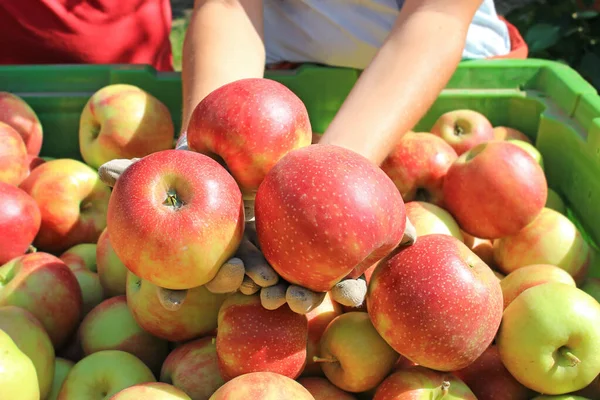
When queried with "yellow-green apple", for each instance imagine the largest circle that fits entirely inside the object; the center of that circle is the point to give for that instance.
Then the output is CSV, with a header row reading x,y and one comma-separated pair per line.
x,y
353,355
322,389
484,248
423,383
429,218
43,285
111,271
528,276
103,374
195,318
318,319
98,332
549,338
418,164
16,112
592,287
436,288
494,190
31,338
151,391
123,121
560,397
489,379
20,221
73,202
62,367
18,379
343,212
463,129
193,368
198,207
530,149
591,391
251,338
551,238
81,258
507,133
14,164
262,385
250,124
555,202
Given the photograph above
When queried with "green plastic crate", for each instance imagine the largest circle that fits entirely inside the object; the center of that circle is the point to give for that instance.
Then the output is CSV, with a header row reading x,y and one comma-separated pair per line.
x,y
548,101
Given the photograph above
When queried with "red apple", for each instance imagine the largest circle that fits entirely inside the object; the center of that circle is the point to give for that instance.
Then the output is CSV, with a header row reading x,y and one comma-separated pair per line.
x,y
250,124
507,133
73,203
16,112
341,210
251,338
463,129
436,303
196,204
14,163
43,285
263,386
20,221
322,389
418,164
111,271
495,190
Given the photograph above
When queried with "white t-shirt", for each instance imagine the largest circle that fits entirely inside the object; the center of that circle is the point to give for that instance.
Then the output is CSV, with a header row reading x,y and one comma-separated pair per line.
x,y
347,33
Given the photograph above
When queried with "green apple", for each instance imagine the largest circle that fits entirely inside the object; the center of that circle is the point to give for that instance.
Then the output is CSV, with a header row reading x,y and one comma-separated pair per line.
x,y
103,374
151,391
549,336
81,259
592,287
18,379
529,148
429,218
111,271
560,397
62,367
555,202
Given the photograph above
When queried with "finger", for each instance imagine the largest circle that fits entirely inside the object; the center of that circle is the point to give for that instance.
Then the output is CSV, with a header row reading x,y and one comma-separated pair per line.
x,y
249,287
256,265
349,292
229,278
410,234
171,299
302,300
110,171
273,297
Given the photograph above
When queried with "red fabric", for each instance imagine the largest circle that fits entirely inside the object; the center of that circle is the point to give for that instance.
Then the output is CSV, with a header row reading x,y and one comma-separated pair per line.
x,y
519,48
86,32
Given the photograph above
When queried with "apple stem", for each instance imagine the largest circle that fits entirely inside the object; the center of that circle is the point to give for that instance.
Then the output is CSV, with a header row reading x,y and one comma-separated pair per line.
x,y
572,358
31,249
458,130
324,359
444,389
172,200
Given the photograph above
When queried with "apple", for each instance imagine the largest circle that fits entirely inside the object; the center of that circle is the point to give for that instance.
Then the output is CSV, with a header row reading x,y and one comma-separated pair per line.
x,y
195,318
263,385
123,121
322,389
34,161
549,338
17,113
528,276
429,218
98,332
551,238
20,221
72,201
494,190
592,287
103,374
403,363
14,164
111,271
342,211
251,338
151,391
31,338
436,288
484,248
193,367
423,383
43,285
530,149
352,354
560,397
72,350
62,367
418,164
555,202
507,133
18,379
81,258
463,129
198,207
250,124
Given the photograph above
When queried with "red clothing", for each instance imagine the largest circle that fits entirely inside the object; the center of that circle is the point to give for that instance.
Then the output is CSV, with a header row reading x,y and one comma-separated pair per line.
x,y
86,32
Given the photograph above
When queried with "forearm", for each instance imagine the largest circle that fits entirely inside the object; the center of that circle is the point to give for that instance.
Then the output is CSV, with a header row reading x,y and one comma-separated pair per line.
x,y
223,43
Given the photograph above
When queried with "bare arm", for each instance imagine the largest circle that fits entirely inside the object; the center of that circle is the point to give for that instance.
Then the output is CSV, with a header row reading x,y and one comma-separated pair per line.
x,y
217,27
404,78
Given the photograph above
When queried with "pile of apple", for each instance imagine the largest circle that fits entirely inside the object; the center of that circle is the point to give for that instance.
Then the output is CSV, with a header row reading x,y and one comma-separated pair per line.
x,y
492,301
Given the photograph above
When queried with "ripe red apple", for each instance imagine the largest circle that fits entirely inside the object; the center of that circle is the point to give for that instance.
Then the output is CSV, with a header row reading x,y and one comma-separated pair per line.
x,y
14,163
507,133
198,207
43,285
436,288
250,124
427,218
341,210
495,190
463,129
251,338
418,164
72,201
262,385
20,221
322,389
111,271
123,121
16,112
